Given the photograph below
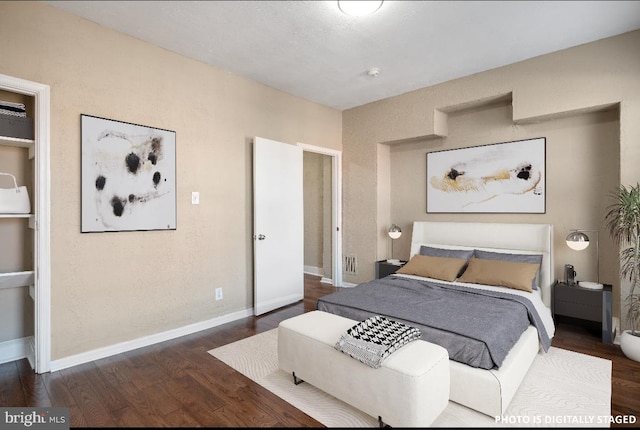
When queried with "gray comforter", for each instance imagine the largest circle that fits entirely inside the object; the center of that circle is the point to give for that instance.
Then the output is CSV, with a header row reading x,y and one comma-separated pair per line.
x,y
477,327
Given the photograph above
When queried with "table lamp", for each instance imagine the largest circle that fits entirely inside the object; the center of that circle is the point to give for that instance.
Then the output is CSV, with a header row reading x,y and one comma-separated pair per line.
x,y
578,241
394,233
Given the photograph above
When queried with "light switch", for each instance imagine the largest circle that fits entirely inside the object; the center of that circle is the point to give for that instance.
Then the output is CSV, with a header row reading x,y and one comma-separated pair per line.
x,y
195,198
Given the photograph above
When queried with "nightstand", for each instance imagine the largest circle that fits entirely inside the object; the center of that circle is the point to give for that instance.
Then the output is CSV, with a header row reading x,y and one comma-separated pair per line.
x,y
383,268
584,304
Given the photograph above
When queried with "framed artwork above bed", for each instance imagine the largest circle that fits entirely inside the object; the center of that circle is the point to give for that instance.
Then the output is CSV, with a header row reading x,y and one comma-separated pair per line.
x,y
506,177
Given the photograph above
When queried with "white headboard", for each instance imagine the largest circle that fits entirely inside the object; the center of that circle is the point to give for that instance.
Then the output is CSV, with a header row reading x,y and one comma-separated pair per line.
x,y
522,237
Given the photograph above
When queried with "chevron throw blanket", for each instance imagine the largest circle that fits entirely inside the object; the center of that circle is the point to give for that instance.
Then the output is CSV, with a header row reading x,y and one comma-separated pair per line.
x,y
374,339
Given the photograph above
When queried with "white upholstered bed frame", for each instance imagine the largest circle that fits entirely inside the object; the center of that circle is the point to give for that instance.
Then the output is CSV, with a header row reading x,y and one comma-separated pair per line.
x,y
491,391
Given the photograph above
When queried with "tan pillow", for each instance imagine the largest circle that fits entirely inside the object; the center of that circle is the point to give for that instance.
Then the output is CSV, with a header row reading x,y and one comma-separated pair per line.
x,y
508,274
443,268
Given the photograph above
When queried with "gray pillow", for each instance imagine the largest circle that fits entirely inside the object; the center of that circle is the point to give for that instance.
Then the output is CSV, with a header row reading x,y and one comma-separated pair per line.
x,y
462,254
517,258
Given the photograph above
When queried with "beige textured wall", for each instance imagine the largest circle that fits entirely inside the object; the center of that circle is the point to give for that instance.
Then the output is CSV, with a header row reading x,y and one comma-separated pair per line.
x,y
114,287
582,167
584,99
383,195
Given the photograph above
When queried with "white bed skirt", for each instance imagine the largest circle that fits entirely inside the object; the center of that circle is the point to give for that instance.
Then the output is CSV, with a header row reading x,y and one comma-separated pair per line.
x,y
491,391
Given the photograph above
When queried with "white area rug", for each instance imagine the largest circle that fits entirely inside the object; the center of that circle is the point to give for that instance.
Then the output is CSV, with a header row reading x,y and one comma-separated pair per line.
x,y
562,389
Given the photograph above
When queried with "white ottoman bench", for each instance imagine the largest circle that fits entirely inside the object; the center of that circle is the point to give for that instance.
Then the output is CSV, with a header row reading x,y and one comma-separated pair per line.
x,y
410,389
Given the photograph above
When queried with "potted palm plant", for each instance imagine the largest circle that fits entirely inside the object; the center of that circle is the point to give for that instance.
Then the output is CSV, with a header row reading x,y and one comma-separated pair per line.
x,y
623,224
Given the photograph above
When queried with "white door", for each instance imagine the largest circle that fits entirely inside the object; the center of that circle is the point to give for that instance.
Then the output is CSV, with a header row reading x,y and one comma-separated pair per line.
x,y
278,225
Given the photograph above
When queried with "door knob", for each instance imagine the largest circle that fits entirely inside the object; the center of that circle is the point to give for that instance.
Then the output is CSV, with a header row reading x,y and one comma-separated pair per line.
x,y
261,237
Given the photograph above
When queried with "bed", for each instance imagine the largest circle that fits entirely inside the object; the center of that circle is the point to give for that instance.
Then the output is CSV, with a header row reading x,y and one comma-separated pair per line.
x,y
492,333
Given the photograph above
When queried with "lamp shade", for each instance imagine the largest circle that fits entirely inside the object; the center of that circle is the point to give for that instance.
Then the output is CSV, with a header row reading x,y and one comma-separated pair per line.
x,y
577,240
395,232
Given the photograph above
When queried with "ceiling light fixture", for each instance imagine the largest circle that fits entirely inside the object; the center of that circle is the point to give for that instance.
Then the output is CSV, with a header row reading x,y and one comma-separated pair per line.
x,y
359,7
373,72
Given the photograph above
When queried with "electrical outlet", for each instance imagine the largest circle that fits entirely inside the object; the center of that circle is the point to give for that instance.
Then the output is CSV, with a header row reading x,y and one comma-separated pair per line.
x,y
218,293
195,198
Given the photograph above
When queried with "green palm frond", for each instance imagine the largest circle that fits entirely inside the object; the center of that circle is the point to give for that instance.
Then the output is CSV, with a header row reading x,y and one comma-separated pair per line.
x,y
622,221
623,216
628,258
633,302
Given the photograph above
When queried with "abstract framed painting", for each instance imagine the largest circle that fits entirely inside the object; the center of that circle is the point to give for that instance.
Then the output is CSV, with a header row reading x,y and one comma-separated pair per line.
x,y
506,177
128,176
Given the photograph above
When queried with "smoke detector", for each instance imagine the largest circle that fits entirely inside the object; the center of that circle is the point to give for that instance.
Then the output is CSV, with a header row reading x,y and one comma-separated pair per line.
x,y
373,72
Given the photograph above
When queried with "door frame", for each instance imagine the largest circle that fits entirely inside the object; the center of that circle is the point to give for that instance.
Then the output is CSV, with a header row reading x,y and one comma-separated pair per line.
x,y
336,208
42,251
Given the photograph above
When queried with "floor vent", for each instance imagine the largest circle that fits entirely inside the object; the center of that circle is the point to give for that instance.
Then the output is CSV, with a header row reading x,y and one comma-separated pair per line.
x,y
350,264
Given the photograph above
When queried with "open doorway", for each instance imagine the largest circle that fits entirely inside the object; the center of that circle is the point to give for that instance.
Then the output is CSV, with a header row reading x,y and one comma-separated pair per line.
x,y
322,213
25,280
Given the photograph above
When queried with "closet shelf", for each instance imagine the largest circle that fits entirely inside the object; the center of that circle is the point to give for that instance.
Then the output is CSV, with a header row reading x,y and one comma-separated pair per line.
x,y
16,215
31,217
16,279
23,143
16,141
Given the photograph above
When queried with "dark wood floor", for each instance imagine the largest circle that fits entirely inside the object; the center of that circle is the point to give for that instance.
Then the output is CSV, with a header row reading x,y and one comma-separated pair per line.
x,y
177,384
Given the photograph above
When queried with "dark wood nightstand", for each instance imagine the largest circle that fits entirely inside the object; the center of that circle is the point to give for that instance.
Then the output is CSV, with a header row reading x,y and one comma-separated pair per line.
x,y
584,304
383,268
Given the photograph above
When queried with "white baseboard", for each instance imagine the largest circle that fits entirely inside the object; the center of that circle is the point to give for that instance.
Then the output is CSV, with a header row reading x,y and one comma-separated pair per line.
x,y
15,349
130,345
349,285
312,270
317,271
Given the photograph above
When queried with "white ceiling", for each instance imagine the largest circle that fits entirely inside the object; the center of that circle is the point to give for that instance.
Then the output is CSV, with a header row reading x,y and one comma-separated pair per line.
x,y
312,50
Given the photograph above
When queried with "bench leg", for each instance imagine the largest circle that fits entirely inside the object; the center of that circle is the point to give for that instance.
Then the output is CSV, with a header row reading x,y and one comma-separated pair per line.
x,y
296,380
382,424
